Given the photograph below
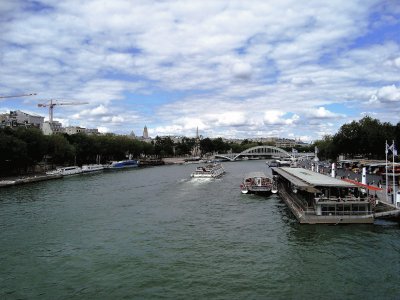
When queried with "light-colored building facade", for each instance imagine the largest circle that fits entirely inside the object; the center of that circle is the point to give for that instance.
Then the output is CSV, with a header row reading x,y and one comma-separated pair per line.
x,y
74,130
50,128
145,132
19,118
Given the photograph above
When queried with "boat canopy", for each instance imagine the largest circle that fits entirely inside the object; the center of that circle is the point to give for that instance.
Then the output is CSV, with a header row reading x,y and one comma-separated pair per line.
x,y
255,175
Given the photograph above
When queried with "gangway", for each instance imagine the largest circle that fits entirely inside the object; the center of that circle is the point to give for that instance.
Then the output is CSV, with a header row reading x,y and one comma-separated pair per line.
x,y
390,213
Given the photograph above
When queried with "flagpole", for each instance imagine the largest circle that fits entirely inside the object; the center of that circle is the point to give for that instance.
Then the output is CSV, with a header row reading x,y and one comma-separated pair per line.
x,y
386,170
394,180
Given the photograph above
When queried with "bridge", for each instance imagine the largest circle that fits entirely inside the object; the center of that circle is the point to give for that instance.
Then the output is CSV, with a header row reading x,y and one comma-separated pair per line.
x,y
264,152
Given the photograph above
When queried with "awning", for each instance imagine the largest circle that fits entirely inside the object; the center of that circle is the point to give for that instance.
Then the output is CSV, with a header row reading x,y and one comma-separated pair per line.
x,y
366,186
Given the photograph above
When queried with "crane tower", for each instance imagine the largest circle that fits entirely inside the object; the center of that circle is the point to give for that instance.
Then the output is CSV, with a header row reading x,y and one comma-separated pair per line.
x,y
53,103
17,96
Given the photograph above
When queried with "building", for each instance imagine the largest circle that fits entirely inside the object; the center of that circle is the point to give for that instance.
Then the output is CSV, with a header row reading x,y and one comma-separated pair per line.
x,y
92,131
19,118
145,132
50,128
74,130
77,129
145,137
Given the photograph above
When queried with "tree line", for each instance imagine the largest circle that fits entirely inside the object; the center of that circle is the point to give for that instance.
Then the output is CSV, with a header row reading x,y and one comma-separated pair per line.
x,y
21,149
365,138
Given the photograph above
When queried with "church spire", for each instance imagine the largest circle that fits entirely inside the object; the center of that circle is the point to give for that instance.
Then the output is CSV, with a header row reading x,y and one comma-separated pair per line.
x,y
145,132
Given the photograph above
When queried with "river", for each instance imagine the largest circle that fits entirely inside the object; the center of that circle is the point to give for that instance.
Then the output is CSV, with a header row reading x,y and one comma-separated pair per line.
x,y
154,233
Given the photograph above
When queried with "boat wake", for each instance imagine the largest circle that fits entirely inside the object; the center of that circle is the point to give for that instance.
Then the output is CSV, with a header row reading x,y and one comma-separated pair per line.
x,y
201,180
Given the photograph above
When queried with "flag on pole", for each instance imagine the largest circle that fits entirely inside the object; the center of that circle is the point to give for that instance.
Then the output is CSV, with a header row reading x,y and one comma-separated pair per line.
x,y
392,148
386,148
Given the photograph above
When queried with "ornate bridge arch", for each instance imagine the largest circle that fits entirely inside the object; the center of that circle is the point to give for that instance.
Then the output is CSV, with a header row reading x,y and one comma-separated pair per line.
x,y
258,151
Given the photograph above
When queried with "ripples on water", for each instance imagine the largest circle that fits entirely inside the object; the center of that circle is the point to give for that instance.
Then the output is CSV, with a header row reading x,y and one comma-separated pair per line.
x,y
156,233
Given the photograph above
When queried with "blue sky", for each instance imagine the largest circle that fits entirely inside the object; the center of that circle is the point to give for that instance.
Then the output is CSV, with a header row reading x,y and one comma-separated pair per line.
x,y
237,69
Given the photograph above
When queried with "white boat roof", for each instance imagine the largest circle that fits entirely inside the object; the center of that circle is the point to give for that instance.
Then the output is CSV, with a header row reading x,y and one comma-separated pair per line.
x,y
255,174
305,177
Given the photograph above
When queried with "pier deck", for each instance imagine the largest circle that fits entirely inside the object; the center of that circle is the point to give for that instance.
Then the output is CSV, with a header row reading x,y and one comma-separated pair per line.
x,y
319,199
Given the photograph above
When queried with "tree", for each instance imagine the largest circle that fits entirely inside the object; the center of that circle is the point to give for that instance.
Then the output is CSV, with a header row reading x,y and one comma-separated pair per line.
x,y
185,146
60,150
36,144
206,145
164,146
13,154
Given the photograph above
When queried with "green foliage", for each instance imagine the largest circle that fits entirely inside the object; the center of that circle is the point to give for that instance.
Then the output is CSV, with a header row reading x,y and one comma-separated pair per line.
x,y
366,137
208,145
13,153
60,150
185,146
22,148
164,146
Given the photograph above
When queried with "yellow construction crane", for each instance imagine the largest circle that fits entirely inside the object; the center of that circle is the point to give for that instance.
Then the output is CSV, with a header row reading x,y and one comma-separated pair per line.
x,y
53,103
16,96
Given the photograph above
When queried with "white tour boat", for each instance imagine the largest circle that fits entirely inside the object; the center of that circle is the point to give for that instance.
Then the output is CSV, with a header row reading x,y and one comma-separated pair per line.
x,y
258,183
208,171
92,168
66,171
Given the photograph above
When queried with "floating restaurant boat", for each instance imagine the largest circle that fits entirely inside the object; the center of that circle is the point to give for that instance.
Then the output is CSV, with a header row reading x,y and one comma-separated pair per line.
x,y
92,168
316,198
257,183
66,171
122,164
209,171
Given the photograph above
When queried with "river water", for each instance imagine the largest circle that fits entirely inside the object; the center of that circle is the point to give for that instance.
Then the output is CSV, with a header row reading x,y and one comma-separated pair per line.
x,y
155,233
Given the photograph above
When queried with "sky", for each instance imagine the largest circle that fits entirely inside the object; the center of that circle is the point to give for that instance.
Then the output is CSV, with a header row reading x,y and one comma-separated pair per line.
x,y
232,69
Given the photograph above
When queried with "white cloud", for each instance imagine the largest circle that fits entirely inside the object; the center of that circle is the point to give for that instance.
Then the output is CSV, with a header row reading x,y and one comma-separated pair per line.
x,y
322,113
276,117
242,70
103,129
301,81
212,64
389,93
396,62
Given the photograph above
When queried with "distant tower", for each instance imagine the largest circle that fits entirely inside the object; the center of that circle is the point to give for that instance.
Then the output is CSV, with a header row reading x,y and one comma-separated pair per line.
x,y
145,133
196,149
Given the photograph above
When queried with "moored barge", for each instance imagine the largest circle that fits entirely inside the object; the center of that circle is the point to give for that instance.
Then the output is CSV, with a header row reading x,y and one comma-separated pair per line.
x,y
315,198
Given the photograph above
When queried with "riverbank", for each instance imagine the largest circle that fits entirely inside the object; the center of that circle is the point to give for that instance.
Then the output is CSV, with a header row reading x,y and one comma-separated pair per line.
x,y
174,160
7,182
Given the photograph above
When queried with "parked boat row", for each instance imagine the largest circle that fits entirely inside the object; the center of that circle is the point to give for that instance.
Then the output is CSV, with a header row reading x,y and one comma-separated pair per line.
x,y
73,170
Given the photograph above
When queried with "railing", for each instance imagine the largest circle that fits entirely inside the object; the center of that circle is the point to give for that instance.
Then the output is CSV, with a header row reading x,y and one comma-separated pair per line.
x,y
258,187
341,199
339,213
